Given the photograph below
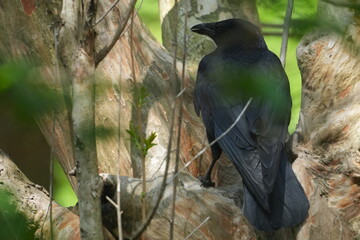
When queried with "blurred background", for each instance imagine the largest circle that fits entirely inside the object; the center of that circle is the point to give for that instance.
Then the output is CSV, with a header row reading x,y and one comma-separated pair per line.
x,y
23,141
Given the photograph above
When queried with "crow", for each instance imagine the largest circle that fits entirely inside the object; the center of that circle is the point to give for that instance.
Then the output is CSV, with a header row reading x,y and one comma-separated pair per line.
x,y
240,68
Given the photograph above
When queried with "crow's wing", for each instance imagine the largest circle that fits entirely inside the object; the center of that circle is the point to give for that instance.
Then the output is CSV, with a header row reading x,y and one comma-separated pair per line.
x,y
224,84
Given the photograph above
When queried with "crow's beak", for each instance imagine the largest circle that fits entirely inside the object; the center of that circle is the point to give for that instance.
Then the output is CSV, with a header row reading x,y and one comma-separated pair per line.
x,y
207,29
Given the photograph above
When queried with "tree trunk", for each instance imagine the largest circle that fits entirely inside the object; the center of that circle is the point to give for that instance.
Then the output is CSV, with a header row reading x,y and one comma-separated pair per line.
x,y
328,162
328,153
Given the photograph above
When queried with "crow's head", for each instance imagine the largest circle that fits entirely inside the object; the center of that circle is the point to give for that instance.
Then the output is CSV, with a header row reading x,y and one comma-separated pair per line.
x,y
232,32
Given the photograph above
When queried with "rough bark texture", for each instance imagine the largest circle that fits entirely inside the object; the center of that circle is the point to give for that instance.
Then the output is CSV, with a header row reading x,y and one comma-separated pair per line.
x,y
328,162
75,46
328,153
32,201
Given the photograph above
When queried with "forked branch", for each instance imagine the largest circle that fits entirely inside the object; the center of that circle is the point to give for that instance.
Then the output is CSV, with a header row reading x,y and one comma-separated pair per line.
x,y
120,29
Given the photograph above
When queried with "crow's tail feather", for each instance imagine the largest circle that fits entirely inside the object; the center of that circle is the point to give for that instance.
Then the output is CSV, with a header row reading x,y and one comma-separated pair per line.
x,y
288,202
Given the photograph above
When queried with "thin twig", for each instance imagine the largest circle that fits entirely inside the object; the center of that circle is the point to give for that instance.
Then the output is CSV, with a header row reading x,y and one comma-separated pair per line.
x,y
51,170
177,159
272,25
139,118
49,212
106,13
51,187
103,52
182,91
168,154
118,209
172,221
65,86
136,14
285,35
278,34
213,142
188,236
163,184
112,202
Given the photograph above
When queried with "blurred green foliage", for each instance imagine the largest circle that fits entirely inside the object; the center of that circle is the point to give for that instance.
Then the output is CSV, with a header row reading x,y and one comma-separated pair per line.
x,y
28,96
12,224
148,11
63,193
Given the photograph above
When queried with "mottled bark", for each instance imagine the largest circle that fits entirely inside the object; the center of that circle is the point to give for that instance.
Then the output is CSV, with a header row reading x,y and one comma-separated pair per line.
x,y
32,201
328,162
76,55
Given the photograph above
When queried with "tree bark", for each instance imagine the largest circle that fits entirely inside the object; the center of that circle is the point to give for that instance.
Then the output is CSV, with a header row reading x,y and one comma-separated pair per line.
x,y
75,46
32,201
328,133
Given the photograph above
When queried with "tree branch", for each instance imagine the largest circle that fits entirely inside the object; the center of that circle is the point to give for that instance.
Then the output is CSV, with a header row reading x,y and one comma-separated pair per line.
x,y
32,202
121,27
192,233
285,35
179,98
106,13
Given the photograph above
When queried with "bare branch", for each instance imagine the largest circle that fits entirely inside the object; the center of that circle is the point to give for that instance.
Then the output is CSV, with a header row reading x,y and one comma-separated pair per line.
x,y
31,200
138,109
213,142
51,170
197,228
51,187
272,25
163,184
106,13
285,35
168,154
118,201
177,159
103,52
181,92
112,202
272,34
118,206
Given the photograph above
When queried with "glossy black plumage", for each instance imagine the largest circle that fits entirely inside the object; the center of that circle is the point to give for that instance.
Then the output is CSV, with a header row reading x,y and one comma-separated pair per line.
x,y
242,67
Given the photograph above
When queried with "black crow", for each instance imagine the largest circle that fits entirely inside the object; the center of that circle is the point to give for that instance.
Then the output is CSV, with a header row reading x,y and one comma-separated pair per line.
x,y
240,68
